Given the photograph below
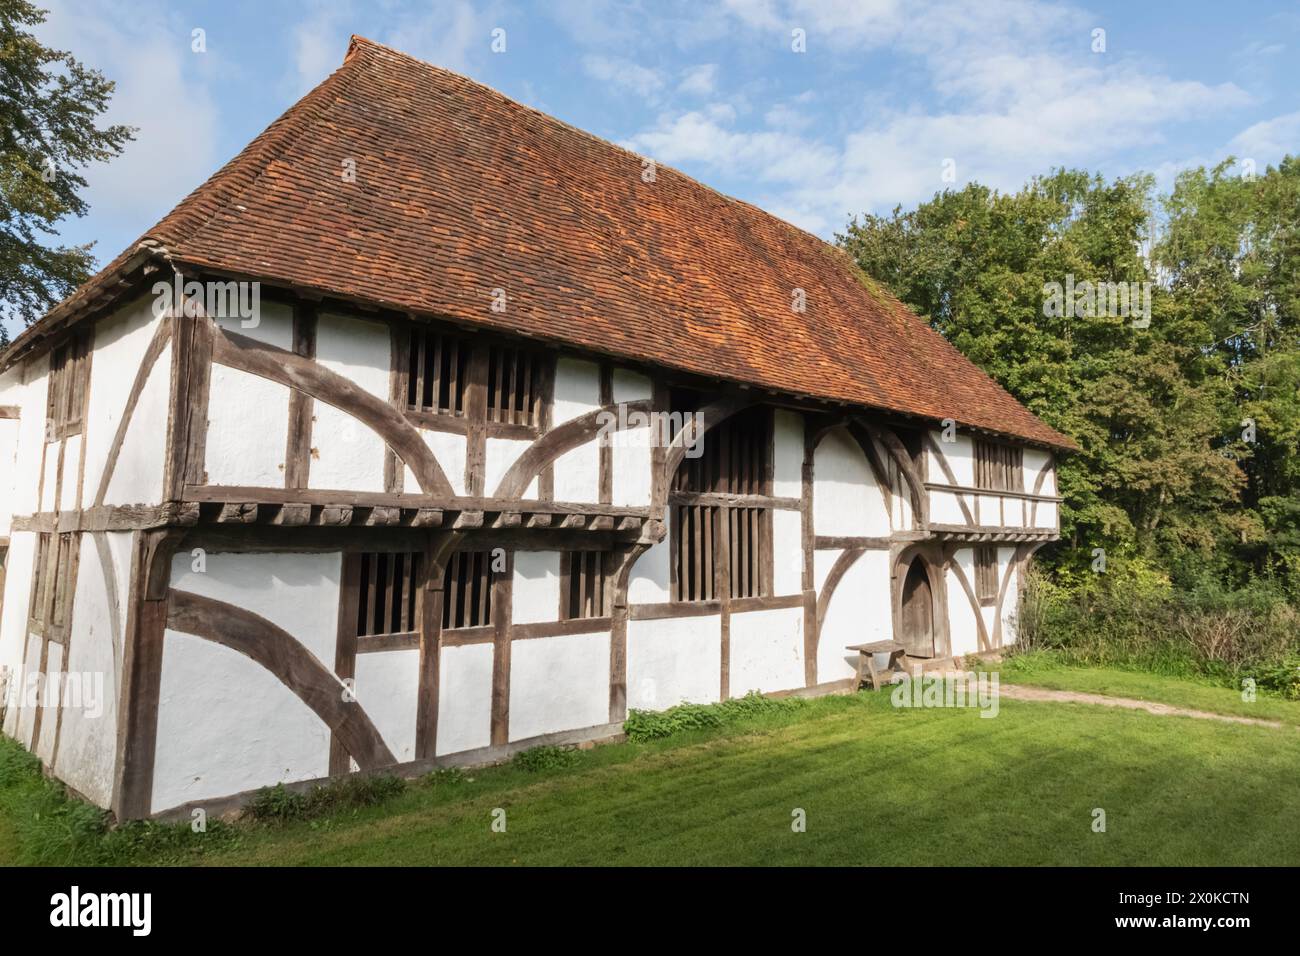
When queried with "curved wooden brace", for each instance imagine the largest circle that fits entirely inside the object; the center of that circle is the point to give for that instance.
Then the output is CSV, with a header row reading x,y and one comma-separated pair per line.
x,y
618,631
846,560
863,438
710,416
159,341
109,572
560,441
915,487
297,668
311,378
1018,561
985,643
1038,488
942,459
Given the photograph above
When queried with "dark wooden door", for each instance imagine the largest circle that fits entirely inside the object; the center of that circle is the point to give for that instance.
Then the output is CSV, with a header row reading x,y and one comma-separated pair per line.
x,y
918,613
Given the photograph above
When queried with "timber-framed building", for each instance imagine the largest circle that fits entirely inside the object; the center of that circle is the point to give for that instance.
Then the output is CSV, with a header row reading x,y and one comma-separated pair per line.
x,y
431,428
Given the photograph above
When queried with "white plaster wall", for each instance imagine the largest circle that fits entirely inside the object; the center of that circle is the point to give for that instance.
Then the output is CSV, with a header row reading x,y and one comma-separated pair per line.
x,y
959,455
577,392
674,661
577,389
859,613
648,582
13,624
348,455
945,508
1011,600
450,451
558,683
1014,512
990,510
71,467
20,721
49,482
224,723
8,468
120,343
963,629
464,698
901,499
88,738
766,650
823,561
787,453
630,386
787,552
846,499
49,706
632,469
248,416
500,455
248,424
536,587
577,475
1046,515
388,687
1033,460
138,475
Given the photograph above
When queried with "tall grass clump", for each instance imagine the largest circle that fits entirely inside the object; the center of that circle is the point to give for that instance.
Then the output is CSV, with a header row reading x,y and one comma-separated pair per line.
x,y
1128,618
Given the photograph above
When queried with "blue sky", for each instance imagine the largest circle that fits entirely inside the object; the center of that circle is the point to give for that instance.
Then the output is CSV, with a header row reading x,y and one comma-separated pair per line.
x,y
865,118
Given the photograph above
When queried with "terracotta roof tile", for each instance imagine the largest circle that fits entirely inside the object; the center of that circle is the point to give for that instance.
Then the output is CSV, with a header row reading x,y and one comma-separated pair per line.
x,y
460,190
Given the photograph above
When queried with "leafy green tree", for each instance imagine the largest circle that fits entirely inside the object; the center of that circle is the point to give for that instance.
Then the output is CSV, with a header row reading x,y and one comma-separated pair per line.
x,y
49,104
1158,477
1232,252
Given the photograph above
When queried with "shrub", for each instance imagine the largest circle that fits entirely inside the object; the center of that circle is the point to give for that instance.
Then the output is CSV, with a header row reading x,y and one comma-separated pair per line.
x,y
1208,631
643,725
280,805
537,759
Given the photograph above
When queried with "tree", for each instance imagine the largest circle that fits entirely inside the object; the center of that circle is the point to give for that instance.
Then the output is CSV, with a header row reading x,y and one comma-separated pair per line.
x,y
1158,475
49,104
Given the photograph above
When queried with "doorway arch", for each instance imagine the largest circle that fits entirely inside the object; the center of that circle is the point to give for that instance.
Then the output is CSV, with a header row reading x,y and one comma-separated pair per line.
x,y
920,599
916,630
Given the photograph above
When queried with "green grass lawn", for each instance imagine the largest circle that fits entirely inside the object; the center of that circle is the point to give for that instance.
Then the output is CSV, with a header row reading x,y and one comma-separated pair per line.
x,y
878,786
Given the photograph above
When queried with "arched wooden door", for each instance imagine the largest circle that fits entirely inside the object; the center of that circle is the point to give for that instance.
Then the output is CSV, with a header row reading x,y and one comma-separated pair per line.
x,y
916,622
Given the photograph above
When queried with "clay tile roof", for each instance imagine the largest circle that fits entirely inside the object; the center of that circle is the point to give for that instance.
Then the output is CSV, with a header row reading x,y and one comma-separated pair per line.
x,y
460,190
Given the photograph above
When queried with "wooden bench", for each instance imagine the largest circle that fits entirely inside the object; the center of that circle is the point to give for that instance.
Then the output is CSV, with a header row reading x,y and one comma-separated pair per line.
x,y
867,670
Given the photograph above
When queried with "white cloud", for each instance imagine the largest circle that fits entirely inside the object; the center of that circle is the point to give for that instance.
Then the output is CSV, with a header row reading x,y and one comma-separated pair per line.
x,y
1017,91
624,74
453,34
699,80
162,89
1268,141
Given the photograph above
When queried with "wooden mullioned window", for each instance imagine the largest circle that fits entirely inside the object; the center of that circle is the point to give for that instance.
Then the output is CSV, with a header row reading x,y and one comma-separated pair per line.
x,y
388,591
467,590
721,540
999,467
388,598
449,381
69,379
514,386
986,575
437,372
582,577
52,581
